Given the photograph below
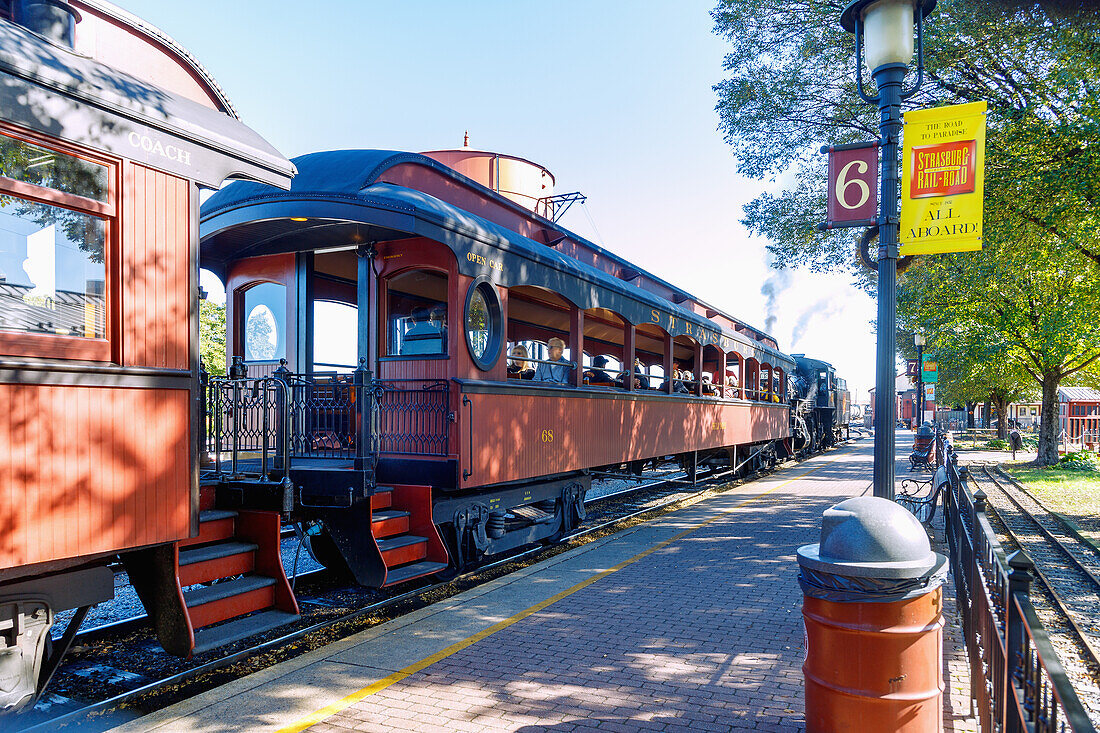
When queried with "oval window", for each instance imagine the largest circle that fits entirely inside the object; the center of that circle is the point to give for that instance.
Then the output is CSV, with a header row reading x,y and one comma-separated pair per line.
x,y
264,322
483,323
261,339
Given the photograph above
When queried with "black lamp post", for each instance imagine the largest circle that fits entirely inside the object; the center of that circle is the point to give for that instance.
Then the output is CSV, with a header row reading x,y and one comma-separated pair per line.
x,y
884,34
918,341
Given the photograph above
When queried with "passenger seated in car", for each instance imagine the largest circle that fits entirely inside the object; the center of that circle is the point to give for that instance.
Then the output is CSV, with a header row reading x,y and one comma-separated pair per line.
x,y
558,372
678,385
518,366
641,379
424,337
708,388
597,375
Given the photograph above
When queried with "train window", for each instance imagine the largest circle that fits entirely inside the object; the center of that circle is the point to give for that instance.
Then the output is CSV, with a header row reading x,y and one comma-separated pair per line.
x,y
30,163
483,323
52,270
332,349
264,322
416,307
55,231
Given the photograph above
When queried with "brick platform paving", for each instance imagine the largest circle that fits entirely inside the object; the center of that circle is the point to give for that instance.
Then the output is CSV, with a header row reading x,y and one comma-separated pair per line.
x,y
703,633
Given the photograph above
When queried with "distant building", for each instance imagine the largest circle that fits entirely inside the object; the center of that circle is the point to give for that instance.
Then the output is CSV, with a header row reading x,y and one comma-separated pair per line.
x,y
1079,409
1026,414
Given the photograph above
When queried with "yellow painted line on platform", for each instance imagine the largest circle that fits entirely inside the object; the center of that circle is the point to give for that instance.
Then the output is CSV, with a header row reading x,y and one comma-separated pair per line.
x,y
349,700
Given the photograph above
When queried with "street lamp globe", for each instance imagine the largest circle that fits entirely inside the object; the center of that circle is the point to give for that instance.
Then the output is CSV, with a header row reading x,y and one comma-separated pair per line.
x,y
888,33
918,339
886,27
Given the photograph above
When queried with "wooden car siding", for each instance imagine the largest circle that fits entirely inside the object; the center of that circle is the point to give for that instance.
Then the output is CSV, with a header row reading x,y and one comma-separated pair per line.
x,y
156,269
520,436
415,369
86,470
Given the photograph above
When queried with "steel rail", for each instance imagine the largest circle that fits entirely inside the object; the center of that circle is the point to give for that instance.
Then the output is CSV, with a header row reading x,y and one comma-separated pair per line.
x,y
1046,532
213,665
1065,523
1092,653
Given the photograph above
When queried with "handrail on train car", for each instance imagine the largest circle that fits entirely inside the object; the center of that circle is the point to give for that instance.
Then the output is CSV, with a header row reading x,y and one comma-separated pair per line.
x,y
1016,680
257,426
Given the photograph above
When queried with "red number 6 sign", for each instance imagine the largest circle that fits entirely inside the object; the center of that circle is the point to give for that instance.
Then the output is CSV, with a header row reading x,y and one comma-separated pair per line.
x,y
853,185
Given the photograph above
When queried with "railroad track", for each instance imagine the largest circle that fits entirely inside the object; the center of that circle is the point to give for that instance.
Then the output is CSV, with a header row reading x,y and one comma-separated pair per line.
x,y
125,625
1066,566
683,492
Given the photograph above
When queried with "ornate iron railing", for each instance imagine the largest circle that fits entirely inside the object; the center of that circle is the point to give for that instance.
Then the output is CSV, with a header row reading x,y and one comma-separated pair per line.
x,y
1016,679
414,417
245,425
259,425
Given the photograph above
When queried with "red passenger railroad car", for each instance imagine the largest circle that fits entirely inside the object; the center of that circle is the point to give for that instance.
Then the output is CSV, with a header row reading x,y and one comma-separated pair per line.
x,y
108,129
454,280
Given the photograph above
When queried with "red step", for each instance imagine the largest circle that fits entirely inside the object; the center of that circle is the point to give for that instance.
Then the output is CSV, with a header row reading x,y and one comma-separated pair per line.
x,y
389,522
403,549
231,598
214,526
381,499
412,571
214,562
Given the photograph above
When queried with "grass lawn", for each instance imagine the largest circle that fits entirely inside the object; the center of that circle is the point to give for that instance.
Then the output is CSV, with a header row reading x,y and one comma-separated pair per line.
x,y
971,445
1074,494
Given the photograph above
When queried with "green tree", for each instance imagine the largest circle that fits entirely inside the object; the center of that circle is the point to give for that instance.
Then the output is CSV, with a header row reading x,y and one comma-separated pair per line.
x,y
212,336
790,88
976,364
33,164
1031,300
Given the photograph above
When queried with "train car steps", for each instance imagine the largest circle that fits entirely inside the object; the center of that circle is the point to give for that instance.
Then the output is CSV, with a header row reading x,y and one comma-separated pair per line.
x,y
207,563
232,544
382,498
242,628
403,529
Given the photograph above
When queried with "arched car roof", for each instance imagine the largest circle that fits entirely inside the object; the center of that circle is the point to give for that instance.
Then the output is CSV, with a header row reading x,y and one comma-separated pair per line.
x,y
332,187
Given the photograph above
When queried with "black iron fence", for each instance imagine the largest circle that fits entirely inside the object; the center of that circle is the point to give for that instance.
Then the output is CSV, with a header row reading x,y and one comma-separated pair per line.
x,y
267,424
1016,680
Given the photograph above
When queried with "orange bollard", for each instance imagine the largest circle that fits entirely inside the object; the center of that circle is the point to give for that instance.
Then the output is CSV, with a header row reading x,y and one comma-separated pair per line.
x,y
872,609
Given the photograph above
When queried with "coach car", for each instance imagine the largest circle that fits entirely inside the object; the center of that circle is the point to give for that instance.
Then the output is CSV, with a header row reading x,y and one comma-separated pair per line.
x,y
108,129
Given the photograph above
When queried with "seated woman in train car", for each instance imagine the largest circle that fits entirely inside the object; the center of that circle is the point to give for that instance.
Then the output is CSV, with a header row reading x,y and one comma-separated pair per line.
x,y
708,388
557,373
424,337
677,380
641,379
597,375
518,366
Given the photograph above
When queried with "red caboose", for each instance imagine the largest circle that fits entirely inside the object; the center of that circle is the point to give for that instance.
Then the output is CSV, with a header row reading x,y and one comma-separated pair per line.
x,y
108,129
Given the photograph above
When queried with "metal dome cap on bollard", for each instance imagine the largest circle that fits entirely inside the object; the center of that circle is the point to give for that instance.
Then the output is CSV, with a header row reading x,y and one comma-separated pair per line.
x,y
871,549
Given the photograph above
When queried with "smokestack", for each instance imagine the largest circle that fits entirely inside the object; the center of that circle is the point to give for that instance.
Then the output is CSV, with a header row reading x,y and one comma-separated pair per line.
x,y
54,19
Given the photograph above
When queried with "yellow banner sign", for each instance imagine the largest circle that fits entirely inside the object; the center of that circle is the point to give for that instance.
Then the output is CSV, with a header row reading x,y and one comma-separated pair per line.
x,y
943,179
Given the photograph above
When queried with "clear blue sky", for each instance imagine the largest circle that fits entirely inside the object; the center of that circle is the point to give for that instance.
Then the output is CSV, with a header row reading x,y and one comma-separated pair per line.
x,y
613,97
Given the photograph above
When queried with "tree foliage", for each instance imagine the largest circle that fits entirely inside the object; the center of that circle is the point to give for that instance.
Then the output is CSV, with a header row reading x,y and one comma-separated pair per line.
x,y
212,336
1025,306
790,88
976,365
1029,300
39,166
